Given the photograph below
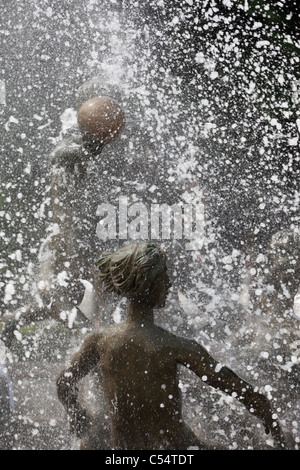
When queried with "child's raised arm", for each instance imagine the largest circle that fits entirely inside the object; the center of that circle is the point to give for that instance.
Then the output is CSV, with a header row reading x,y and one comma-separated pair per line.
x,y
196,358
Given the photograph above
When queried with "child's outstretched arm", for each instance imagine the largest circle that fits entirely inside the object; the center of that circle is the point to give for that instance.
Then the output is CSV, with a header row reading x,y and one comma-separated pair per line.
x,y
195,357
67,383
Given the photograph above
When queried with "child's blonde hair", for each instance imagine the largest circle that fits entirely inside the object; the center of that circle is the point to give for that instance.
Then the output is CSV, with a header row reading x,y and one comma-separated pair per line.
x,y
133,270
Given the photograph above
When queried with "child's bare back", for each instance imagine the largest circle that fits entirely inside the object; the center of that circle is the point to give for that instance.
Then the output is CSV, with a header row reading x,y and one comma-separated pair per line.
x,y
139,362
139,371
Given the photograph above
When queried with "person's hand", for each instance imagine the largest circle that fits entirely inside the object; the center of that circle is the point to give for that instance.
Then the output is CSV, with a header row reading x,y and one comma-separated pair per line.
x,y
277,434
79,422
260,406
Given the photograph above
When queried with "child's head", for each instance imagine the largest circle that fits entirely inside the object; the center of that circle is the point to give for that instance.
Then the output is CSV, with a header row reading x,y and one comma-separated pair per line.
x,y
134,271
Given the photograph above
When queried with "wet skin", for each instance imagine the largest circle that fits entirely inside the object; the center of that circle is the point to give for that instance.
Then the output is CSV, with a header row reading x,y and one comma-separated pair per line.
x,y
139,362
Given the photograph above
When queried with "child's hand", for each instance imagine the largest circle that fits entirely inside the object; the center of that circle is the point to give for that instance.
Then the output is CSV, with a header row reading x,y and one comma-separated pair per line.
x,y
259,405
79,422
277,434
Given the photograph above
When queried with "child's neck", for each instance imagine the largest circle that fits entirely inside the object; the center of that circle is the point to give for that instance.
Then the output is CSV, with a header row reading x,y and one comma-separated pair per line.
x,y
140,312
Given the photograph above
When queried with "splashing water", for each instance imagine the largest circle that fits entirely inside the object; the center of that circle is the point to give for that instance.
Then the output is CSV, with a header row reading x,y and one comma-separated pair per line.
x,y
211,95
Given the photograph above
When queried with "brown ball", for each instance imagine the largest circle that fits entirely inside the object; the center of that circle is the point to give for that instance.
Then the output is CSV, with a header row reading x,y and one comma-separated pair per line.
x,y
101,119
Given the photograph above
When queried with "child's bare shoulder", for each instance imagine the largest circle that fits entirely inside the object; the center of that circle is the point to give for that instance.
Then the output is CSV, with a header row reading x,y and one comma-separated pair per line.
x,y
176,340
